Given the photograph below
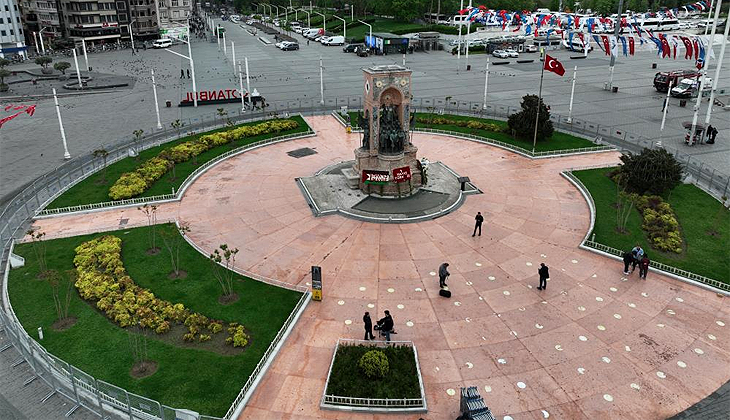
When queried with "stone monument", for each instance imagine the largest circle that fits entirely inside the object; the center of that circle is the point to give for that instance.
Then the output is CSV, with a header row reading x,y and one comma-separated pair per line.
x,y
385,162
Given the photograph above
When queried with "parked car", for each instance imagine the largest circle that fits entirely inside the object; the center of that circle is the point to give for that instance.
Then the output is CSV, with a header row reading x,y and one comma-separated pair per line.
x,y
351,47
162,43
530,48
664,79
512,53
688,88
362,51
289,46
500,54
335,40
322,39
298,30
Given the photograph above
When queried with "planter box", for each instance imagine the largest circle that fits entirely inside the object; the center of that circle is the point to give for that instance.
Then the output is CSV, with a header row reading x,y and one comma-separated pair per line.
x,y
346,366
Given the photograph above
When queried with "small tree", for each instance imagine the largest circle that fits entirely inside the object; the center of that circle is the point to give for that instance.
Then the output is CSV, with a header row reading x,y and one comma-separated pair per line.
x,y
4,62
60,283
173,241
138,133
624,204
102,154
3,74
43,61
62,66
151,212
222,113
522,124
651,171
39,248
177,125
223,261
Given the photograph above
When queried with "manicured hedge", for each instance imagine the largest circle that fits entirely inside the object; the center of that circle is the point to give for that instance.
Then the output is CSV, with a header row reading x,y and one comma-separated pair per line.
x,y
132,184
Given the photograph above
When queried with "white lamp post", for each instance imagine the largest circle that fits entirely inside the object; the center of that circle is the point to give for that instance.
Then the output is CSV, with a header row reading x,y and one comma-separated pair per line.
x,y
344,26
371,32
324,21
309,16
717,72
78,71
225,46
486,82
240,87
66,154
192,64
248,81
321,81
40,36
572,93
233,51
35,42
157,105
86,57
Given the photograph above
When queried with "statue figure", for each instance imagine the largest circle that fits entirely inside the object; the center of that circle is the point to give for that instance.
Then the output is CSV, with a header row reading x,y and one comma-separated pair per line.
x,y
364,123
391,133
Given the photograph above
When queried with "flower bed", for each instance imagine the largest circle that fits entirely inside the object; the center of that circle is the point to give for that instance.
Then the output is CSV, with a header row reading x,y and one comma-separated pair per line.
x,y
132,184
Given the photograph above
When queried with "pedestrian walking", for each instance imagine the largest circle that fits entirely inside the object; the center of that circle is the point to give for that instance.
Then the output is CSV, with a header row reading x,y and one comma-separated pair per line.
x,y
386,324
307,43
368,326
443,274
637,253
544,276
644,267
712,135
182,73
188,73
478,225
628,259
708,134
664,104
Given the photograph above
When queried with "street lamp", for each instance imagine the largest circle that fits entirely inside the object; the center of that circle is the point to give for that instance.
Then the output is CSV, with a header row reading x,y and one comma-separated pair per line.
x,y
344,26
309,15
131,34
277,10
192,64
324,21
40,35
371,32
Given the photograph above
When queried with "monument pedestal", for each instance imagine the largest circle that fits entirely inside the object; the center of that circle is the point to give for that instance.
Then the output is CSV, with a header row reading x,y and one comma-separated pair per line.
x,y
368,161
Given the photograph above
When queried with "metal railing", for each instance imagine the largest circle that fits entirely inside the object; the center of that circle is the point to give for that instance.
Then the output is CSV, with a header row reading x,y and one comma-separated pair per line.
x,y
679,273
338,402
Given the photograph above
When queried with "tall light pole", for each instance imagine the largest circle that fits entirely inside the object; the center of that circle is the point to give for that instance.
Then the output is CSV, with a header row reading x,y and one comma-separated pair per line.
x,y
157,105
324,21
240,87
717,71
35,42
131,33
572,93
703,71
458,44
66,154
344,26
225,46
233,51
248,81
189,57
486,82
40,36
352,12
78,71
468,31
616,29
371,32
321,81
309,15
86,57
277,10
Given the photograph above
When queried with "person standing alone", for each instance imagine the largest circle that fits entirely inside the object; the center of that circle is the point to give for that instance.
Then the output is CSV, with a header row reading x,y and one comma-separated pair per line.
x,y
443,274
544,276
478,225
368,326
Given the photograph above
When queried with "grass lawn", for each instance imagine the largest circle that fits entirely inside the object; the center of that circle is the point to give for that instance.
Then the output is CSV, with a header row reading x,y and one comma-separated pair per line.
x,y
697,214
347,380
192,378
559,141
357,31
93,190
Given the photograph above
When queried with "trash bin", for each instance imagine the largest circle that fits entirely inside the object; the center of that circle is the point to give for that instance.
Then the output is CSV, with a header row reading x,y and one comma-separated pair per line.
x,y
468,67
168,104
682,102
91,68
615,89
653,65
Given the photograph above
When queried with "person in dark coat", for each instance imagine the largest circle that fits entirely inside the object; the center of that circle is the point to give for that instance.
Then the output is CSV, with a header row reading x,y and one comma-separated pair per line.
x,y
479,220
368,326
628,259
386,325
182,73
638,254
544,275
443,274
188,73
644,266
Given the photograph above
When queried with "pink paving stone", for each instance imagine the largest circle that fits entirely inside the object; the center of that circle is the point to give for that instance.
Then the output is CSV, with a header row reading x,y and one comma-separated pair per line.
x,y
252,202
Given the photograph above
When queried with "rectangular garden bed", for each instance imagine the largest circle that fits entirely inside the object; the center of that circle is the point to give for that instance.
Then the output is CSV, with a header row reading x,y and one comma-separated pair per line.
x,y
399,390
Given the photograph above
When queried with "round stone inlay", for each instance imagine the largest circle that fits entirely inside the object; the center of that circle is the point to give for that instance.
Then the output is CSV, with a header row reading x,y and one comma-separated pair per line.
x,y
681,364
601,328
607,397
521,385
582,338
340,302
451,391
635,386
661,374
348,321
409,323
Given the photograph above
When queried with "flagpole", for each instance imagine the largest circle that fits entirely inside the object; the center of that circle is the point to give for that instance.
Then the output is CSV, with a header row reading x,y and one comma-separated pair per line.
x,y
666,105
458,44
703,71
572,92
617,27
717,72
486,82
468,31
539,102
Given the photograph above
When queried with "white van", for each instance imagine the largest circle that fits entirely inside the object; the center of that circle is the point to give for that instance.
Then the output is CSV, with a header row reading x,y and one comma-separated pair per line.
x,y
310,32
335,40
162,43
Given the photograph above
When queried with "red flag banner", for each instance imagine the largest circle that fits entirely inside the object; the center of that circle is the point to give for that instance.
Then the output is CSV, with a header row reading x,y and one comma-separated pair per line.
x,y
606,47
631,45
687,47
553,65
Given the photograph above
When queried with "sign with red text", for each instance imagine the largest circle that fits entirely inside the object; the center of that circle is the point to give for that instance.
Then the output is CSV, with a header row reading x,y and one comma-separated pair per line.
x,y
402,174
215,96
375,177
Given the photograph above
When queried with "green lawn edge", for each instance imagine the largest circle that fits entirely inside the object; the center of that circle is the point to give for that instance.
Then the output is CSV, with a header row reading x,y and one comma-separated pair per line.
x,y
92,191
195,379
346,379
696,213
558,141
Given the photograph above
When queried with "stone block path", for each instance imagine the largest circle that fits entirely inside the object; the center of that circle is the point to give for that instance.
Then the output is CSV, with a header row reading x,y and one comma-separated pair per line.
x,y
596,345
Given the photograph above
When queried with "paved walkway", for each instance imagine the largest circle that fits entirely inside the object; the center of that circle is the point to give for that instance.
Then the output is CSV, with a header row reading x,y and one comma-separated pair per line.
x,y
596,345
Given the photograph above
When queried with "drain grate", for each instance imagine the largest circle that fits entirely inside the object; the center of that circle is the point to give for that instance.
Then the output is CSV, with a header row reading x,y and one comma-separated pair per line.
x,y
300,153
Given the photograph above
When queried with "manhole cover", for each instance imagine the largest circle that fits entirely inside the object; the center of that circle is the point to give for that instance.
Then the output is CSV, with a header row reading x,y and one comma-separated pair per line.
x,y
123,222
299,153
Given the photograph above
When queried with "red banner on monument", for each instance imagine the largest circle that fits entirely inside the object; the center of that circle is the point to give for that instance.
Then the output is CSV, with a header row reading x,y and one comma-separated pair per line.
x,y
375,177
402,174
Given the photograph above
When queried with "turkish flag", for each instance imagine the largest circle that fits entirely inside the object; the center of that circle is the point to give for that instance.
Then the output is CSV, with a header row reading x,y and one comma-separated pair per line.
x,y
553,65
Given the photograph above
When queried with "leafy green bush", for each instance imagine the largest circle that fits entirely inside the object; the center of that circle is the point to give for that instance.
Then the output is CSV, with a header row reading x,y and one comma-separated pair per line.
x,y
236,335
660,223
473,124
132,184
651,171
374,364
523,123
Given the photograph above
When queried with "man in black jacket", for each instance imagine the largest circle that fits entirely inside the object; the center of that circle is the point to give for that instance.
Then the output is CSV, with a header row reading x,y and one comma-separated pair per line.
x,y
443,274
544,275
479,220
386,325
368,326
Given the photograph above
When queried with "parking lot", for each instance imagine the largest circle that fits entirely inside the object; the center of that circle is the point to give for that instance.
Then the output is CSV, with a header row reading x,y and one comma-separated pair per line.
x,y
31,145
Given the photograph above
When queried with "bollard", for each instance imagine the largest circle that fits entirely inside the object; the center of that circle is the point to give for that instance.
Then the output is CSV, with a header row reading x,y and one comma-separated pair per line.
x,y
653,65
40,333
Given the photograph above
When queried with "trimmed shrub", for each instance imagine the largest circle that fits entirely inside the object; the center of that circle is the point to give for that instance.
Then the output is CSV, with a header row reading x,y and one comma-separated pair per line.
x,y
132,184
651,171
473,124
523,123
374,364
660,223
237,336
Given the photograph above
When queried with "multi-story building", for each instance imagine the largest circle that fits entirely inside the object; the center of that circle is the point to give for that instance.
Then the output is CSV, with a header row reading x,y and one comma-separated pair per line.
x,y
93,21
143,18
12,38
41,19
173,13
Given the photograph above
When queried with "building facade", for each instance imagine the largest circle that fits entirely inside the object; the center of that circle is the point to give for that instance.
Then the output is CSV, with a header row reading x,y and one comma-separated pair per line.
x,y
172,13
93,21
40,19
12,36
